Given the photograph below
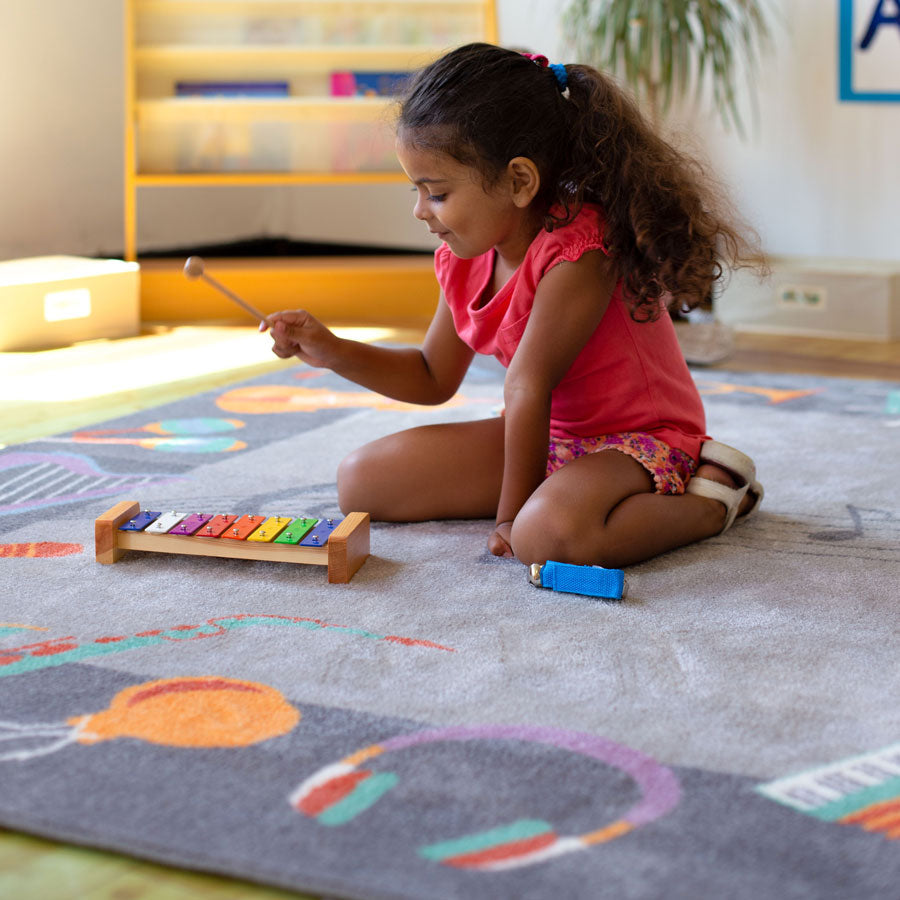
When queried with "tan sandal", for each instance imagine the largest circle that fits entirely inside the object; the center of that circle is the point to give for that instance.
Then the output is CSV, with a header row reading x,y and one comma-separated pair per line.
x,y
741,468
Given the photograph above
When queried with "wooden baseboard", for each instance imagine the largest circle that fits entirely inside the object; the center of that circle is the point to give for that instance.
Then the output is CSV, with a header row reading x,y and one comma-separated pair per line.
x,y
371,289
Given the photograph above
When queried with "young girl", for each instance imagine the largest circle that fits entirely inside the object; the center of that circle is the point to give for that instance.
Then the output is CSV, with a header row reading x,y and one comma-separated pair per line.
x,y
567,227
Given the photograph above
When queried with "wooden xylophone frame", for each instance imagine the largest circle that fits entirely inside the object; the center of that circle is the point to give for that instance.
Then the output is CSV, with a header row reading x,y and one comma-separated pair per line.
x,y
344,553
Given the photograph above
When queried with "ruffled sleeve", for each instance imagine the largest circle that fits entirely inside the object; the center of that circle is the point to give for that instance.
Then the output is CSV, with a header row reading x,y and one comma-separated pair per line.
x,y
442,258
570,242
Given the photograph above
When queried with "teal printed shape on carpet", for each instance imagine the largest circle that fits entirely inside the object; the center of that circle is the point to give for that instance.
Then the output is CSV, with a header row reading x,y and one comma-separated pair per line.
x,y
364,795
522,830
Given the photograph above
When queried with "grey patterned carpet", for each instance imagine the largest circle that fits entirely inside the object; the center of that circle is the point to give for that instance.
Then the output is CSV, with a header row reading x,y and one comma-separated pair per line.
x,y
438,728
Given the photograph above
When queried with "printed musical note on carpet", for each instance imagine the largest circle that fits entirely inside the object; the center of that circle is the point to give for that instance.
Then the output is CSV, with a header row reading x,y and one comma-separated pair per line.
x,y
32,480
864,533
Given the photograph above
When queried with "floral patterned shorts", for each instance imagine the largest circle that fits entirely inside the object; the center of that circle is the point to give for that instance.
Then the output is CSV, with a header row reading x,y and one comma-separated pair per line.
x,y
671,469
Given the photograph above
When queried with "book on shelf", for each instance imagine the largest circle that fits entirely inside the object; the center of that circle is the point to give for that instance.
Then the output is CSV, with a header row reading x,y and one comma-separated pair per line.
x,y
232,89
368,84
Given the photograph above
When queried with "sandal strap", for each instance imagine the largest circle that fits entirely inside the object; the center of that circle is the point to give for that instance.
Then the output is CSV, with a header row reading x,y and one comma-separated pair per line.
x,y
738,464
730,497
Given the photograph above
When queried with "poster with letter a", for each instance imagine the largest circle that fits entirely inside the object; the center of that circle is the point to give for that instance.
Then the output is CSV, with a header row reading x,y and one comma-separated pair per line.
x,y
869,48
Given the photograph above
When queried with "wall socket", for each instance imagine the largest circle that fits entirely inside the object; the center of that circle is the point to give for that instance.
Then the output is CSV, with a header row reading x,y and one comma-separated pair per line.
x,y
801,296
816,297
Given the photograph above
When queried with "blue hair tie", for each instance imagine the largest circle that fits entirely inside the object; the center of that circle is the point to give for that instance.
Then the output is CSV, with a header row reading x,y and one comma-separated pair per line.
x,y
562,77
558,69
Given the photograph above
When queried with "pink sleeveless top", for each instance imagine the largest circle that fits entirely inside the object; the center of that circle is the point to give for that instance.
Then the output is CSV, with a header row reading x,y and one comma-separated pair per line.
x,y
630,376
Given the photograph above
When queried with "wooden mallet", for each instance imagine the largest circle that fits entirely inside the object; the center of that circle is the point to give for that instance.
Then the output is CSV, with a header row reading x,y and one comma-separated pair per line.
x,y
194,268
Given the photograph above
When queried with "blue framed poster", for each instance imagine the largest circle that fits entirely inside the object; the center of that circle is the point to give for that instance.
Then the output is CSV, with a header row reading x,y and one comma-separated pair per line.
x,y
869,51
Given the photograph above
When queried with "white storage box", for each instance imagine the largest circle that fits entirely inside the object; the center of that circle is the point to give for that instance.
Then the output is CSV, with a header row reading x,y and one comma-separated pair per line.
x,y
52,301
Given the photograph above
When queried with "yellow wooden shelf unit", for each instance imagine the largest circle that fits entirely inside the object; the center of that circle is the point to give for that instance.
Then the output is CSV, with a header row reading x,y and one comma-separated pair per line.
x,y
268,92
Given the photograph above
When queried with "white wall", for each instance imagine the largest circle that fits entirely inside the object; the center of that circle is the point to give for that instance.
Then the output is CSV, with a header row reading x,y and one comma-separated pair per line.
x,y
817,177
60,137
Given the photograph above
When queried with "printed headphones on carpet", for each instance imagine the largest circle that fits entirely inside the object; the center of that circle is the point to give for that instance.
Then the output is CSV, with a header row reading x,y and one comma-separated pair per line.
x,y
339,792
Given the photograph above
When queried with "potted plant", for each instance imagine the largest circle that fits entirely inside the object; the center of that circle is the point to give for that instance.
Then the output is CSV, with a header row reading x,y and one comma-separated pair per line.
x,y
667,49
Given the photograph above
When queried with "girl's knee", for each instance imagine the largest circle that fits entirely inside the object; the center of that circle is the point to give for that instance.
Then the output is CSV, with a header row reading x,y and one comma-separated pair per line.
x,y
544,531
356,474
373,477
540,533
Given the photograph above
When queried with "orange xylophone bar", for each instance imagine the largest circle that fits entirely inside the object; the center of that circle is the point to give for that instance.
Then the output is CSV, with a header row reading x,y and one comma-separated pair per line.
x,y
341,545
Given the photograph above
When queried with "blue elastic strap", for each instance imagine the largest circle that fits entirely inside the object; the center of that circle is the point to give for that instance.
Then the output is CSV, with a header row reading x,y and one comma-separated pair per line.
x,y
562,77
594,581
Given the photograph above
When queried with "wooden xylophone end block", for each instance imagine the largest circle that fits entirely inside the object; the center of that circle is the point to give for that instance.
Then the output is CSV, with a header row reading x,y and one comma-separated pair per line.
x,y
106,530
348,547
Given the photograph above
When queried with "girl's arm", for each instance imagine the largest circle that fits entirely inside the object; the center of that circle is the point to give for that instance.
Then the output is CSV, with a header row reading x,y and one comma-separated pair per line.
x,y
568,305
427,375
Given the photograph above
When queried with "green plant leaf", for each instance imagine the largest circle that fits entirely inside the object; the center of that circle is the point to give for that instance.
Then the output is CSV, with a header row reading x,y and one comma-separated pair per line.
x,y
668,49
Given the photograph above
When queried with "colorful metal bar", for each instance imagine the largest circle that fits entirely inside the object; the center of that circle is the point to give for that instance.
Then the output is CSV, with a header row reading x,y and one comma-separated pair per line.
x,y
191,525
216,526
165,523
140,521
270,529
244,527
318,537
296,531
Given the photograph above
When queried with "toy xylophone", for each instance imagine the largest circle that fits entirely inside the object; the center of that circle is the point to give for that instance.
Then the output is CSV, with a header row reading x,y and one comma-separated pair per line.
x,y
340,544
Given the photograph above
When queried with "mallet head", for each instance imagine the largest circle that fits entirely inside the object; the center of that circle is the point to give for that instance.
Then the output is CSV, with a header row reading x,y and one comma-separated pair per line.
x,y
193,268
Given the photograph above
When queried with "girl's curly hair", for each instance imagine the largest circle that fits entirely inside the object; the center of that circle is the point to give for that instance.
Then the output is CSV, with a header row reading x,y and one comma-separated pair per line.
x,y
665,224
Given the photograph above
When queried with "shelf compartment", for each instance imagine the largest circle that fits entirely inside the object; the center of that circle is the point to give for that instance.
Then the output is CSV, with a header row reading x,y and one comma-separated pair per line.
x,y
409,22
263,179
307,71
270,8
244,143
170,110
294,58
303,137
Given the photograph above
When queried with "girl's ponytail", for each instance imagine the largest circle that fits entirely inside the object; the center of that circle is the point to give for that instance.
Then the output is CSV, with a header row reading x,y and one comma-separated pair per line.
x,y
665,223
